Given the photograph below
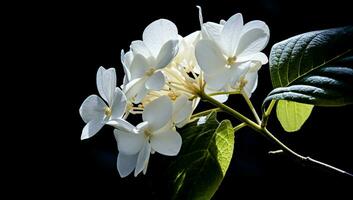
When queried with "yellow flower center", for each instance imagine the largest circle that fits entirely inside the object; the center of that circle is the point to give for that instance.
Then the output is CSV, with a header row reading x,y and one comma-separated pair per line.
x,y
173,95
231,60
108,111
147,133
150,71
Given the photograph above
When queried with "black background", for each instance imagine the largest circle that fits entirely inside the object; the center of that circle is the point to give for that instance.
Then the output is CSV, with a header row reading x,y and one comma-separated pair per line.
x,y
75,39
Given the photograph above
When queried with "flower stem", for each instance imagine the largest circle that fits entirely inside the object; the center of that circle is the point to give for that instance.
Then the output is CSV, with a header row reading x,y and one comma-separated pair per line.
x,y
303,159
229,110
258,128
267,113
240,126
206,112
252,108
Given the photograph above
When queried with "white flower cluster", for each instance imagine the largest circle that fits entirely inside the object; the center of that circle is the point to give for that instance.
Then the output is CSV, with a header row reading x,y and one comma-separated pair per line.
x,y
165,74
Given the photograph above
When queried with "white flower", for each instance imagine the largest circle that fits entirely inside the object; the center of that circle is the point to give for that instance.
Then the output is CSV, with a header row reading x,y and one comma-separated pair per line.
x,y
230,50
157,49
186,55
94,111
155,133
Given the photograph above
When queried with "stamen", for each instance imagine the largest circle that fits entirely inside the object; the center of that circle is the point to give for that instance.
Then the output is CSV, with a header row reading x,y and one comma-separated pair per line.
x,y
150,71
231,60
173,95
107,111
242,83
148,133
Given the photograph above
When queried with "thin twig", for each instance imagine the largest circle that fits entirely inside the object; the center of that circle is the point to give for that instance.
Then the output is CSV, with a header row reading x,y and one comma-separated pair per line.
x,y
252,108
238,127
206,112
267,114
268,134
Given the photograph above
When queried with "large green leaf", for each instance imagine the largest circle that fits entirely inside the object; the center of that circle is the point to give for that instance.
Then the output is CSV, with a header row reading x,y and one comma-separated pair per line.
x,y
203,160
328,85
314,68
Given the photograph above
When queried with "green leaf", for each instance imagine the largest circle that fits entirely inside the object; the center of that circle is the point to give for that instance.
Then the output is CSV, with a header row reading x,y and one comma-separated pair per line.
x,y
330,85
203,160
292,115
314,68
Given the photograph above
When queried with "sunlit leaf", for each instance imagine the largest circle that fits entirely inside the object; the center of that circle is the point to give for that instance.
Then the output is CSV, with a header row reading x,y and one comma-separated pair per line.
x,y
203,161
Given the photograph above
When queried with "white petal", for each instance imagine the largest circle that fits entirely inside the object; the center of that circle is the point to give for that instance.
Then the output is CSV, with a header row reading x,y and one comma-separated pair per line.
x,y
109,84
136,90
209,57
168,51
254,39
200,15
221,98
182,123
139,97
92,108
122,124
196,69
167,143
195,103
158,112
119,104
186,54
156,81
230,34
158,33
91,128
212,31
255,24
255,66
138,47
193,38
141,127
259,56
129,143
251,85
126,60
106,83
202,120
218,81
125,82
126,164
99,81
237,71
139,66
182,109
143,158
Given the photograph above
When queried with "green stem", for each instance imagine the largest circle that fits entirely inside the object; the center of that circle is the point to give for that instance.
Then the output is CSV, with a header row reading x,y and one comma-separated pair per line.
x,y
303,159
269,135
267,113
240,126
258,128
206,112
252,108
229,110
